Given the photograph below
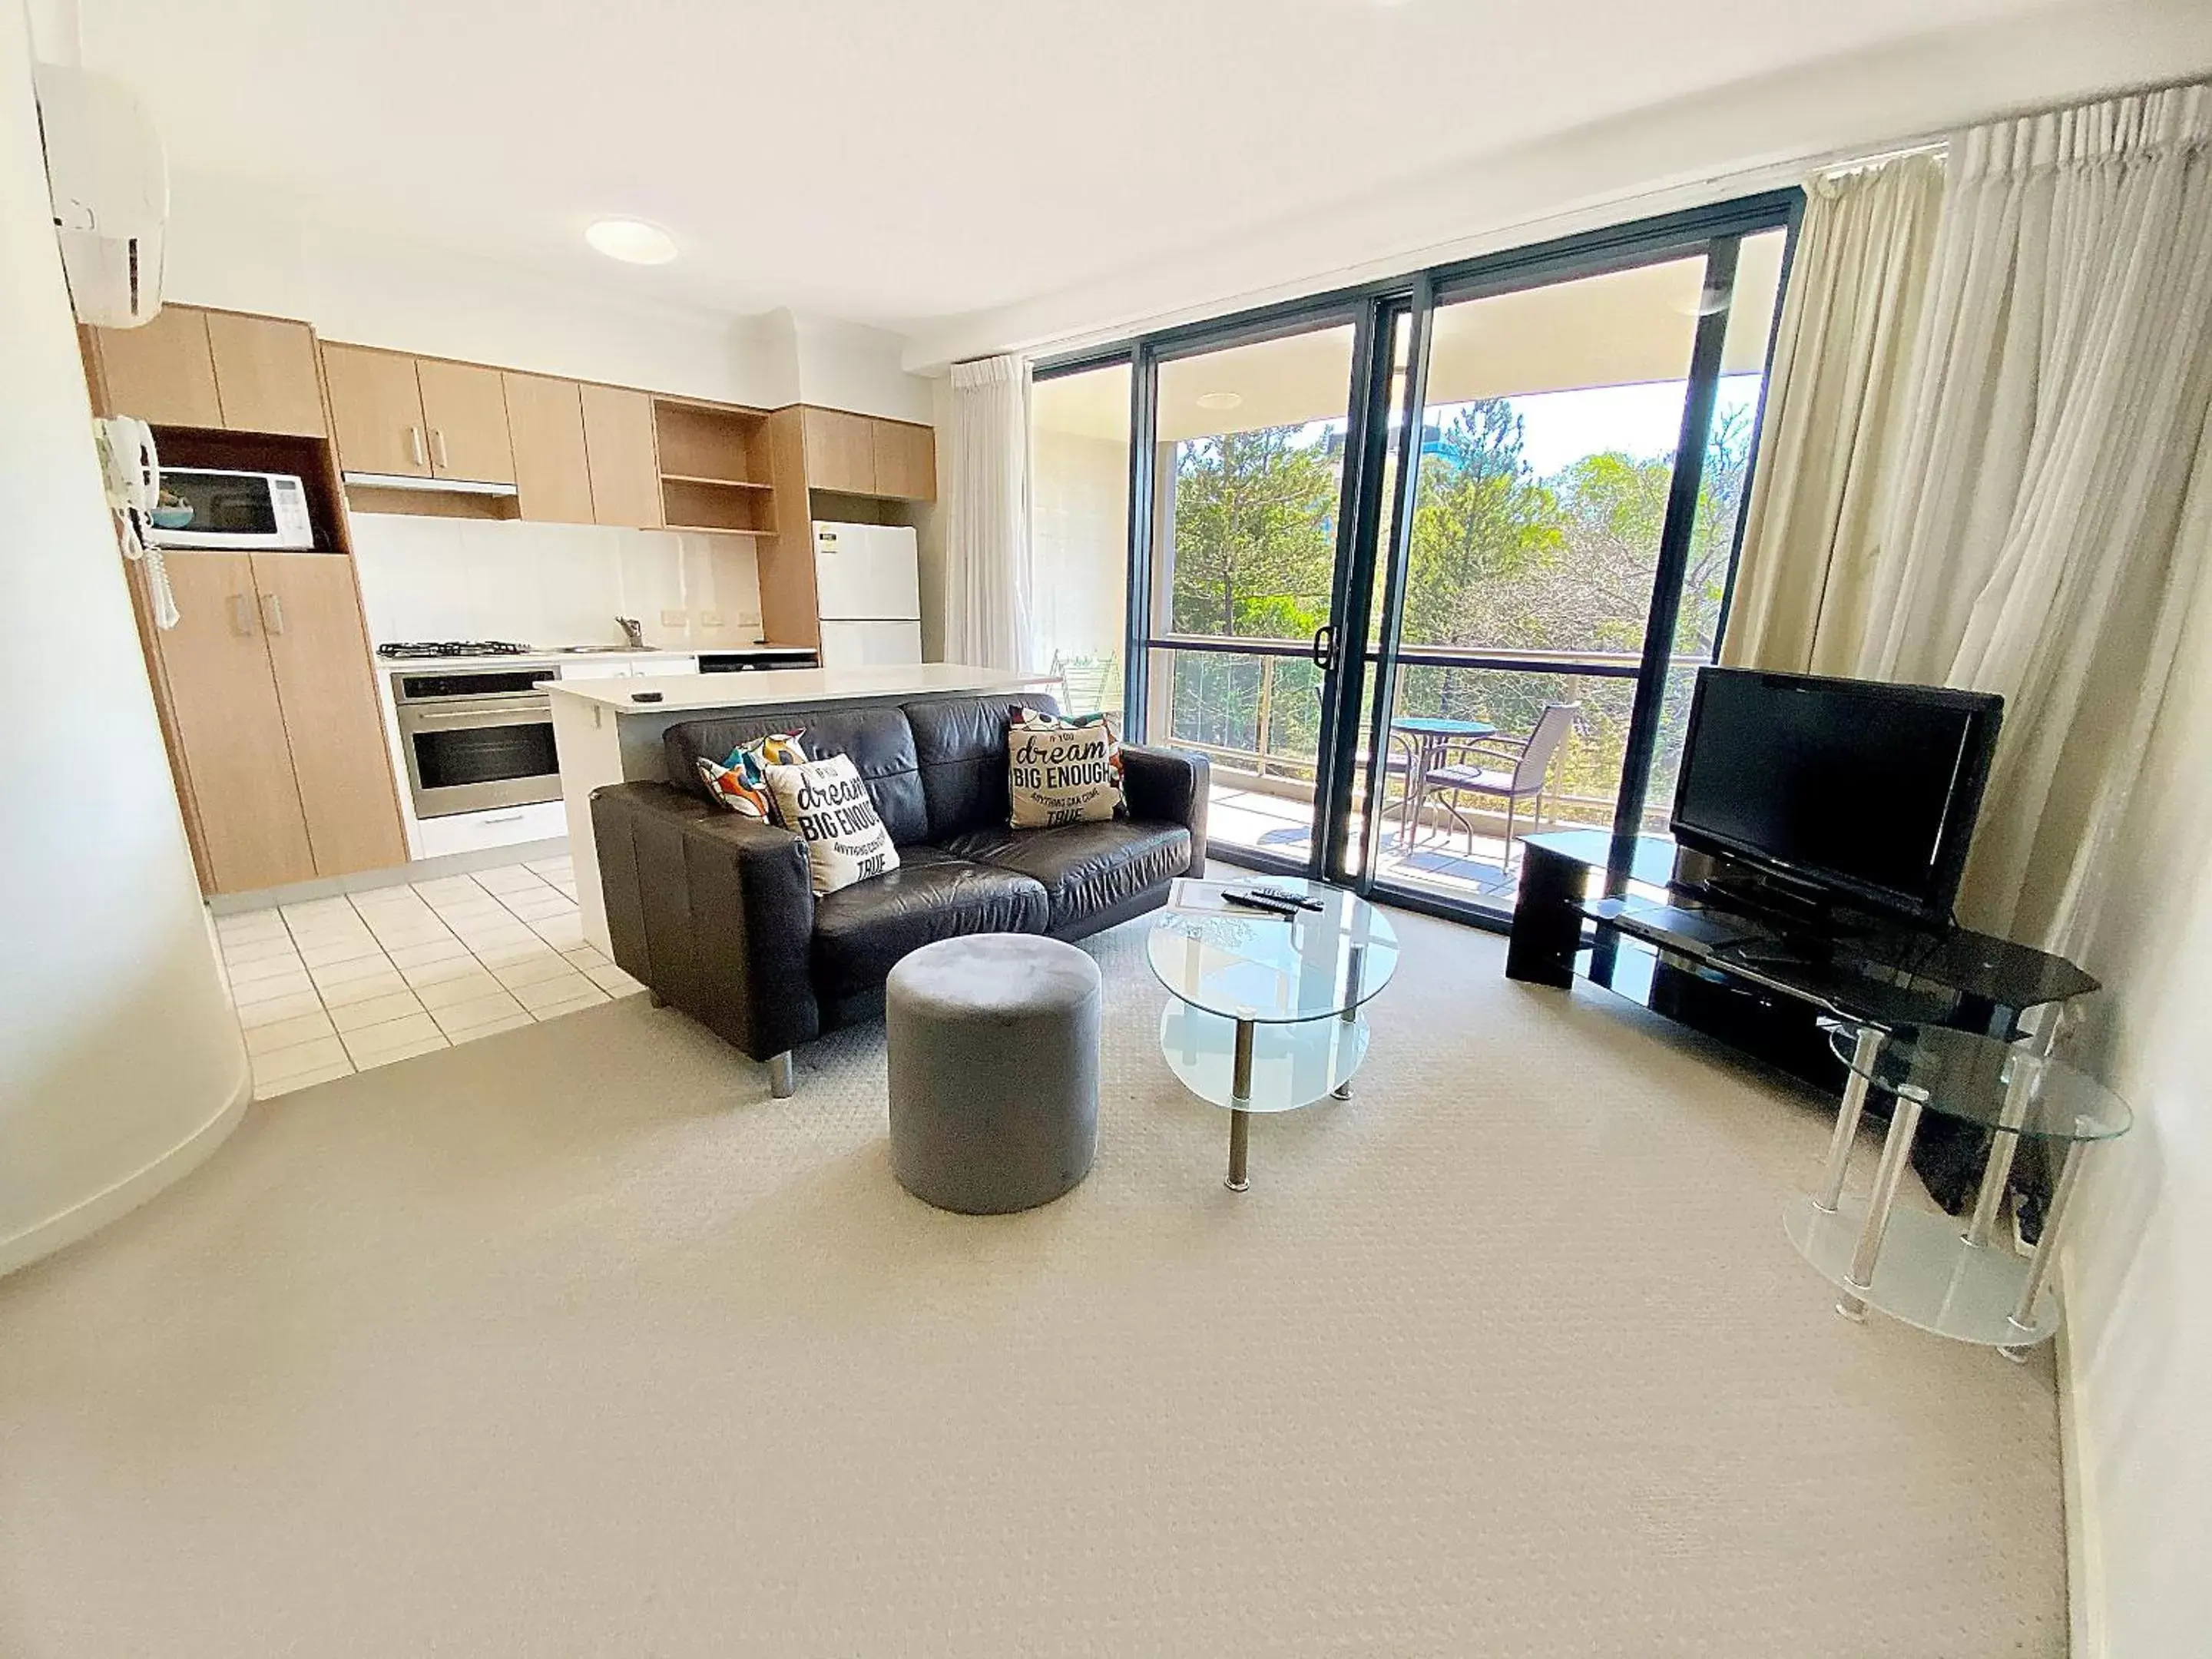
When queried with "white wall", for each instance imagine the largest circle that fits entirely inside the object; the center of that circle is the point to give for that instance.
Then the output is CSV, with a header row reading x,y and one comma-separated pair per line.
x,y
552,584
121,1064
2139,1275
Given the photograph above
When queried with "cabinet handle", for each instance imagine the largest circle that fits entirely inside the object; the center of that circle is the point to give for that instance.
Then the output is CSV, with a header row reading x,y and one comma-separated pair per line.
x,y
437,447
415,445
504,818
273,613
241,618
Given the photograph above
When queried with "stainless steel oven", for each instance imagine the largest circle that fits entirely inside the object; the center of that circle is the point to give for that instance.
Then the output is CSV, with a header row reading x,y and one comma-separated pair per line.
x,y
476,738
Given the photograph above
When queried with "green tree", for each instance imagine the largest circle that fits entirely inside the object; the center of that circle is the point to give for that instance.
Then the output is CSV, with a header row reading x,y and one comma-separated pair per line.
x,y
1255,542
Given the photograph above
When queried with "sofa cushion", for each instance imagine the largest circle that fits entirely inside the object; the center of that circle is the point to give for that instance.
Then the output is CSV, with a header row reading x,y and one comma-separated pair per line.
x,y
1084,868
878,741
960,745
860,931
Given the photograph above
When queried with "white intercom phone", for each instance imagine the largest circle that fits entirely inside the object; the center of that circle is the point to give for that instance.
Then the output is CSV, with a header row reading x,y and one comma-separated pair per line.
x,y
132,467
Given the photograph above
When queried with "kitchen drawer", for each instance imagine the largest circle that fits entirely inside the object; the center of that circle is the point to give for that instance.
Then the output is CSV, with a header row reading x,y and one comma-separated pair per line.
x,y
645,667
504,826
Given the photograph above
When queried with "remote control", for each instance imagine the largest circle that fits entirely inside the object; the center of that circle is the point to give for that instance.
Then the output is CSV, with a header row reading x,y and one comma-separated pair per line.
x,y
1284,895
1254,901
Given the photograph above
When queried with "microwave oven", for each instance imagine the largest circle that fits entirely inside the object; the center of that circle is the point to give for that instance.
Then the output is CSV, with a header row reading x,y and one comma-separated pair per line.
x,y
206,506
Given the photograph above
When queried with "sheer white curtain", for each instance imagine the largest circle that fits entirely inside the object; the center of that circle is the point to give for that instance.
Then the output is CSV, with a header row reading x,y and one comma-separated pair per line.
x,y
2054,498
989,577
1835,416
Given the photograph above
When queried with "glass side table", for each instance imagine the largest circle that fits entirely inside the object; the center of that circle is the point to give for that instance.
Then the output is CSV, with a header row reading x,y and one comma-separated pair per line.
x,y
1919,1267
1265,1014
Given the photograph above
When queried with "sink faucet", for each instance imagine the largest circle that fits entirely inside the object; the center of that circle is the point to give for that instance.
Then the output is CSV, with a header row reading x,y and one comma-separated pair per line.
x,y
634,631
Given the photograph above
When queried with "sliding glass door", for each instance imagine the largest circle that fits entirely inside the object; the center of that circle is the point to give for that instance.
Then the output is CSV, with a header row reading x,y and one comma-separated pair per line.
x,y
1427,567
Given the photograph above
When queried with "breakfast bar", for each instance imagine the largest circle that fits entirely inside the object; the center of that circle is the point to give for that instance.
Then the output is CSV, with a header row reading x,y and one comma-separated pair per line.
x,y
609,731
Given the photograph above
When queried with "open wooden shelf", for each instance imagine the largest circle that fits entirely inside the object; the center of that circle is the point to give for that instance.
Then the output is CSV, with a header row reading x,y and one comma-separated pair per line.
x,y
714,530
693,504
714,483
716,445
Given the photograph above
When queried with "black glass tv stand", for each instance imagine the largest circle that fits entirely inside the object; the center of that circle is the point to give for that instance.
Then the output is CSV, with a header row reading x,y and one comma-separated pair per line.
x,y
1704,952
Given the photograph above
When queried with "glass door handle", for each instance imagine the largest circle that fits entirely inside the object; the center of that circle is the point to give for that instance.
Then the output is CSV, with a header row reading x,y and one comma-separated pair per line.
x,y
1324,646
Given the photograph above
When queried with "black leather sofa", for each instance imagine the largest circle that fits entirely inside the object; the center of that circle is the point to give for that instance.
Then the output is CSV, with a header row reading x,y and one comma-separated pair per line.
x,y
715,912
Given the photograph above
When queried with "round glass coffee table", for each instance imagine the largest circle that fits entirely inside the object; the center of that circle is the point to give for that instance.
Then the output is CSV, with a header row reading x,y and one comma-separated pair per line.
x,y
1266,1010
1918,1266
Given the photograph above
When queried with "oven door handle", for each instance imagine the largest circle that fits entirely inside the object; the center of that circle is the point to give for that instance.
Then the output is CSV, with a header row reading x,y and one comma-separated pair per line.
x,y
507,716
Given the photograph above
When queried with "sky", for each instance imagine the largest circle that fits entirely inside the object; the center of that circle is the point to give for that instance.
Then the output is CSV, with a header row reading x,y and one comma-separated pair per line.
x,y
1563,427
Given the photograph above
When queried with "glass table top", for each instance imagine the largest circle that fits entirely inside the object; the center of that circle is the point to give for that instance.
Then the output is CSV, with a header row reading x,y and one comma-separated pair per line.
x,y
1982,1079
1250,965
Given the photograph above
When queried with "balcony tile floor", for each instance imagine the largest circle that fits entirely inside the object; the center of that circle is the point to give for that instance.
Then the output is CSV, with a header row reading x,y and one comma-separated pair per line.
x,y
1277,823
339,984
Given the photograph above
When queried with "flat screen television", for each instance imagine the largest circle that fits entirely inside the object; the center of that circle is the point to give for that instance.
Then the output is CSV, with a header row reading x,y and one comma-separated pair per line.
x,y
1848,787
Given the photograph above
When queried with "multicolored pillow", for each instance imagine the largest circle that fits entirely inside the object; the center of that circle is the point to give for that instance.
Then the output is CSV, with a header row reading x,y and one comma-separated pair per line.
x,y
740,782
1062,771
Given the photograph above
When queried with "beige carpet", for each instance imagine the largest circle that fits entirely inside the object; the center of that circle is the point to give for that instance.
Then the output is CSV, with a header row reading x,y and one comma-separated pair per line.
x,y
570,1341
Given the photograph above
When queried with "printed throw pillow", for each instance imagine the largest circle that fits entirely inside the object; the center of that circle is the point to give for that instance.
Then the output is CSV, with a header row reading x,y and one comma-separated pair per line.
x,y
827,805
1061,771
740,782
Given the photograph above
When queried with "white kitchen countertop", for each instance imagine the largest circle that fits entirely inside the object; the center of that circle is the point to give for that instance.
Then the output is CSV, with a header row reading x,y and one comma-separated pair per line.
x,y
775,688
542,659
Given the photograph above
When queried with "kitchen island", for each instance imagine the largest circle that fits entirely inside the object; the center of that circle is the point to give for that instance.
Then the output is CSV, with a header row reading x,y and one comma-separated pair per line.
x,y
604,735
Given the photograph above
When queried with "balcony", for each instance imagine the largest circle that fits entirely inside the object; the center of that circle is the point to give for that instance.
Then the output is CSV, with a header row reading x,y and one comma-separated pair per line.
x,y
1257,717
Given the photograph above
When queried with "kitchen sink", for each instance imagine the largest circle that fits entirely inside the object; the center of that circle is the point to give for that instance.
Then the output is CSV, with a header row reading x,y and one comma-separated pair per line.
x,y
592,650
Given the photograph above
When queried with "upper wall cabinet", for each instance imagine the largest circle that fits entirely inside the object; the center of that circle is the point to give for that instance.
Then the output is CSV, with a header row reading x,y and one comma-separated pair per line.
x,y
863,455
552,476
413,417
619,447
217,370
906,461
840,451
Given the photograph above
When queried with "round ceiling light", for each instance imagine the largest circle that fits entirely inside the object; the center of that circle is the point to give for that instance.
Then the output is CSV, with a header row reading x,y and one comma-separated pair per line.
x,y
1220,400
632,240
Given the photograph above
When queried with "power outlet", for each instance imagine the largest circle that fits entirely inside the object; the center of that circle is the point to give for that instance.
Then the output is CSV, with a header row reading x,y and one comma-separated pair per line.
x,y
710,619
674,618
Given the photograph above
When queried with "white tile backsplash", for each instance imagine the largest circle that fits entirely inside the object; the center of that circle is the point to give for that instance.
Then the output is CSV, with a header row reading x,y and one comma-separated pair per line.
x,y
551,584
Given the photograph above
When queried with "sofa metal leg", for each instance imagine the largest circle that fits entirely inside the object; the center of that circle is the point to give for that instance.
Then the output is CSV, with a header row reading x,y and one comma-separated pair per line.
x,y
780,1085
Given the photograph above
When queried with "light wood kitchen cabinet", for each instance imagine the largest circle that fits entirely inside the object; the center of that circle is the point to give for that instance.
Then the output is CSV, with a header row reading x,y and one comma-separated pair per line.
x,y
264,373
552,472
278,742
236,768
465,411
162,372
625,471
418,417
840,451
377,408
311,622
217,370
906,461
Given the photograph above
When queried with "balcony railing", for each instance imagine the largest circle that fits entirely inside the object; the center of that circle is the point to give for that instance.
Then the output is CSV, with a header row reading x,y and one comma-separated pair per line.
x,y
1505,688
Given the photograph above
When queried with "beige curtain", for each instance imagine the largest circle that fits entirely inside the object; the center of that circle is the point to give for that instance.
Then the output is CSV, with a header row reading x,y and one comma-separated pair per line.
x,y
2053,498
988,578
1835,416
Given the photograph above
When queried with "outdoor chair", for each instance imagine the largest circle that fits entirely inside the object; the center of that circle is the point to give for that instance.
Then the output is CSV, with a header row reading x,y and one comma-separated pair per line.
x,y
1511,769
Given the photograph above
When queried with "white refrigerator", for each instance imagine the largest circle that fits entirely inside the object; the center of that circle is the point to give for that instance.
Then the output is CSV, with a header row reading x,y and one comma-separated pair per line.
x,y
867,589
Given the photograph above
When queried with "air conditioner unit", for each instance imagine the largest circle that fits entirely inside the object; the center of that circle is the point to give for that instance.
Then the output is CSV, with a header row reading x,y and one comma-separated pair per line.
x,y
110,184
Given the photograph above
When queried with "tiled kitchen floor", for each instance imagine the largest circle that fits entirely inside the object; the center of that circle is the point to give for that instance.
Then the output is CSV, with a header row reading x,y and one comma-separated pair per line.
x,y
339,985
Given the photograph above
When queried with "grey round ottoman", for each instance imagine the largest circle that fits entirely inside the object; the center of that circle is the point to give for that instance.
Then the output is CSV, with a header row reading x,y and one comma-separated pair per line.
x,y
994,1070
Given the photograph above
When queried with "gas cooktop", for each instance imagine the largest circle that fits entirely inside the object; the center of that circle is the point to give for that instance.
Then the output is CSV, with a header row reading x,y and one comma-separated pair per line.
x,y
456,648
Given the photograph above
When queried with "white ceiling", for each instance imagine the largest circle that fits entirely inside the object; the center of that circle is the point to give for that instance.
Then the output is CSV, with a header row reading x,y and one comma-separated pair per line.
x,y
896,162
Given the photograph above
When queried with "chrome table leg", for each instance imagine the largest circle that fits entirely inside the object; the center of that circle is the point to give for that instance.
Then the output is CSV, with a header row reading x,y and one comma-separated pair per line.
x,y
2046,1248
1240,1120
1865,1049
1352,982
1903,1124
